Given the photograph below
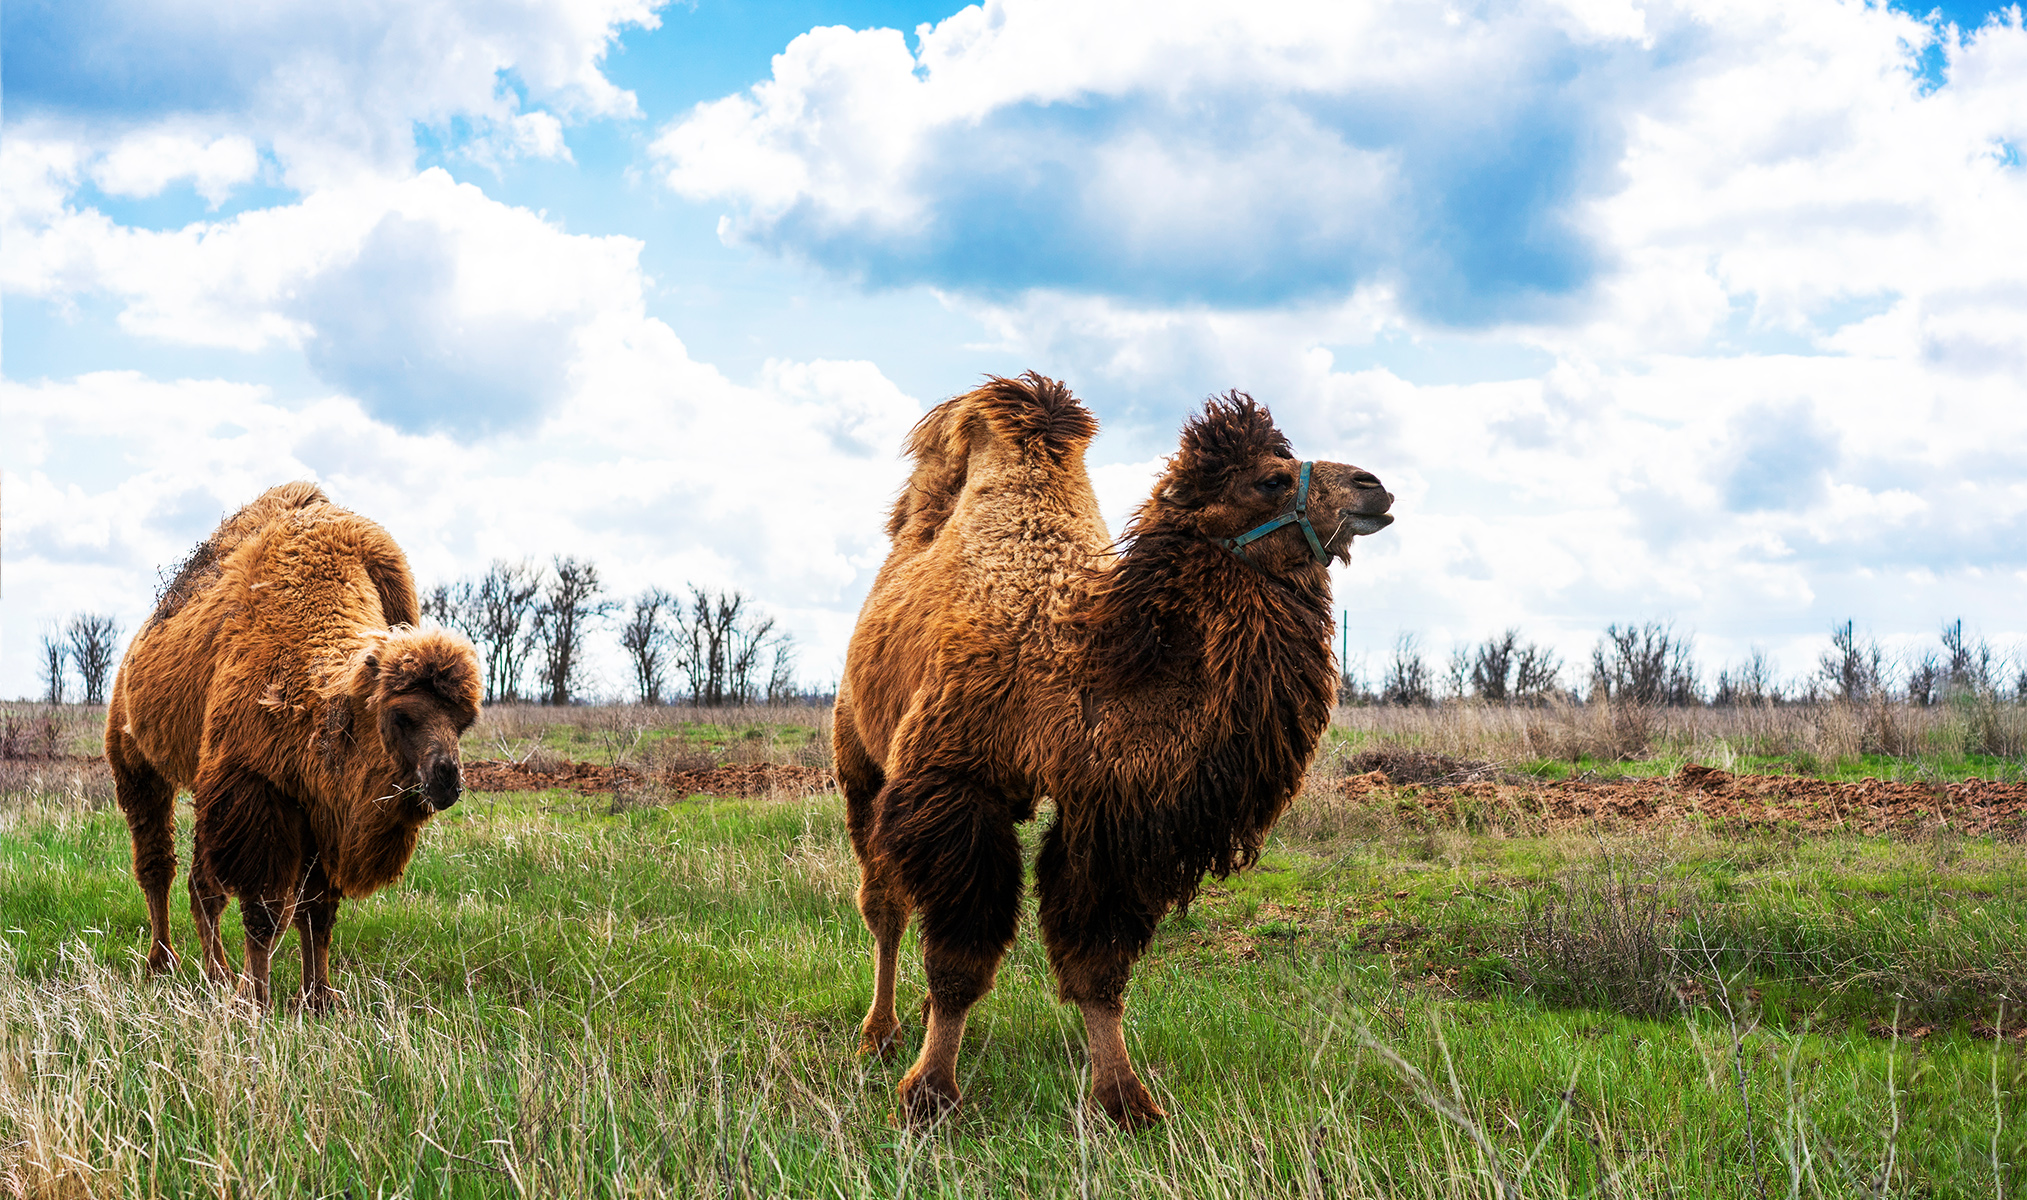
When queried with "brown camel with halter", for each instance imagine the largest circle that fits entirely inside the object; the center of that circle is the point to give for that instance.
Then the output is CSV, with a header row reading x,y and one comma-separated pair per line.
x,y
1166,695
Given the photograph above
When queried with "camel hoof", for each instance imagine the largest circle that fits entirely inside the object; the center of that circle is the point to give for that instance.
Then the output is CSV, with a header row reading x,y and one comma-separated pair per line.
x,y
879,1044
162,961
924,1102
1129,1104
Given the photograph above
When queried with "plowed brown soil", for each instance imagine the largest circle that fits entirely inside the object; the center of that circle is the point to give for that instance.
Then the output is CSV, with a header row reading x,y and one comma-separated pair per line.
x,y
1694,793
734,779
1871,806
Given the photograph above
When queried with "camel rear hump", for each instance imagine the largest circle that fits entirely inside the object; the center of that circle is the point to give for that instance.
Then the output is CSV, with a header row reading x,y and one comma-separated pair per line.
x,y
202,566
1033,418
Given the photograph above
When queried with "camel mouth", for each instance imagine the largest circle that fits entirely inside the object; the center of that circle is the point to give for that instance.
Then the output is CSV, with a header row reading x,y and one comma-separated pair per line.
x,y
1363,524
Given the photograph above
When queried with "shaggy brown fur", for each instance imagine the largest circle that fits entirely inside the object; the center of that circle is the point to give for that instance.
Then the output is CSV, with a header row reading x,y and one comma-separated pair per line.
x,y
1167,699
281,680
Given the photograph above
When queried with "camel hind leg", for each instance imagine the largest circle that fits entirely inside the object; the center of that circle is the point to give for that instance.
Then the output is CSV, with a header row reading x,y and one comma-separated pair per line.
x,y
148,801
881,901
951,841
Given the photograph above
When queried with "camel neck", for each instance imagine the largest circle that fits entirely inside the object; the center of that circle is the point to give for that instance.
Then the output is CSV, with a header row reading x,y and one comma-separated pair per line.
x,y
1175,604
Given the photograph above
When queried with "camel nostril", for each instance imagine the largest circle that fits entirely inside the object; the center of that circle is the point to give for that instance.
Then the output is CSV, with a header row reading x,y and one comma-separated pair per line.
x,y
1364,479
445,783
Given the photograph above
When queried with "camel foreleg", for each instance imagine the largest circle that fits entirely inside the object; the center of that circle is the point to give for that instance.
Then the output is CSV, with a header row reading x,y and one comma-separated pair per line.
x,y
208,899
1094,931
252,838
316,913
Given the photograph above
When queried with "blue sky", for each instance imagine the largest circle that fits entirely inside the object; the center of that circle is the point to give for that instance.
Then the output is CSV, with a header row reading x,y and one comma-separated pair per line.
x,y
1705,312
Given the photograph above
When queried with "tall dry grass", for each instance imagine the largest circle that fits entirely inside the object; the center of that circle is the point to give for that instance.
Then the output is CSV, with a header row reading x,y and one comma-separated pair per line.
x,y
1820,737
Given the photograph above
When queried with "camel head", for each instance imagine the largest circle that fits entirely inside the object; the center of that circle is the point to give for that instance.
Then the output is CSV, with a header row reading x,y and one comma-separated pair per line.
x,y
1236,474
422,688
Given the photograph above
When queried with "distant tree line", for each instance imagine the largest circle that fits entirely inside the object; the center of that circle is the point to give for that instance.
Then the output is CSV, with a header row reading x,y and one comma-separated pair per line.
x,y
88,644
531,624
1651,664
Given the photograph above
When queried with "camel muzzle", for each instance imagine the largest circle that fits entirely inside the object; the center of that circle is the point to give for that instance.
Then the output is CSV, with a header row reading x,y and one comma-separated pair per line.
x,y
442,783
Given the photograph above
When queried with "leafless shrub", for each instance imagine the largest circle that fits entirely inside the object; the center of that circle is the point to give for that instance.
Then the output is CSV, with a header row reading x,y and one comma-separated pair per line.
x,y
32,735
1814,737
1605,937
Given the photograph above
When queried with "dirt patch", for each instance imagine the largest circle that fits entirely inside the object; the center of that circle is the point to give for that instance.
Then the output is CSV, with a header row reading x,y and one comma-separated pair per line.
x,y
1405,767
1872,806
732,779
1442,787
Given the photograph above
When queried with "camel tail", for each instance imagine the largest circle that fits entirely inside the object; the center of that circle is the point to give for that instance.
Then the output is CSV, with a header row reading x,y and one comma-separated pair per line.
x,y
1034,413
207,559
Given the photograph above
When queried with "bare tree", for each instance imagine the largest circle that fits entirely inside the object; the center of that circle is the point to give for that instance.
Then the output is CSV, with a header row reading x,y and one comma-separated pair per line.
x,y
55,679
1969,668
721,644
1504,669
646,640
1644,664
1537,673
1926,680
1492,663
1750,682
453,606
1457,674
93,637
1407,675
499,617
1851,670
572,602
781,675
1351,683
747,644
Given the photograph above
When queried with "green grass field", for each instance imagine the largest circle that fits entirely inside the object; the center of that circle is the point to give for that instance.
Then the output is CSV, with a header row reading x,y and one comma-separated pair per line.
x,y
564,1000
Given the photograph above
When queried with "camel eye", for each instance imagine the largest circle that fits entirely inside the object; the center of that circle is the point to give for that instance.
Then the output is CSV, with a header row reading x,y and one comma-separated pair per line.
x,y
1278,483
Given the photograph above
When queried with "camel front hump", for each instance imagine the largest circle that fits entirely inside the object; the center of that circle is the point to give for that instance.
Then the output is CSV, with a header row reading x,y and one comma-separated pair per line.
x,y
1168,696
316,735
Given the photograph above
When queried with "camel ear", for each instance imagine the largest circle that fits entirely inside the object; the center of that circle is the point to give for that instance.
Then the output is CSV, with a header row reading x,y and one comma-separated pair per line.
x,y
1174,493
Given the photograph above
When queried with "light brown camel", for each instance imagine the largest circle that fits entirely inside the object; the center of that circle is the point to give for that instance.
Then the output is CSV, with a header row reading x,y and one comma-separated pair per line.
x,y
281,680
1167,698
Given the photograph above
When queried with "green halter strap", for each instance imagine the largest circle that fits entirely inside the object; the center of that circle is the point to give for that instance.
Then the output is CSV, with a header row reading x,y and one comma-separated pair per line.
x,y
1299,515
